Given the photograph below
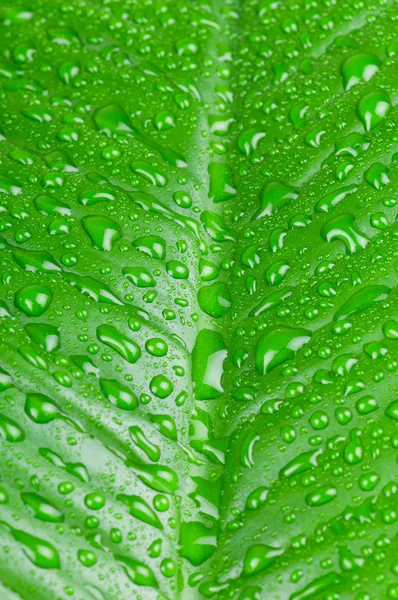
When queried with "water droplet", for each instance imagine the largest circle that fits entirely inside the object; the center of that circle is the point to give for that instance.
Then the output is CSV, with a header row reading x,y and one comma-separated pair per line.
x,y
359,68
33,300
373,109
278,346
102,231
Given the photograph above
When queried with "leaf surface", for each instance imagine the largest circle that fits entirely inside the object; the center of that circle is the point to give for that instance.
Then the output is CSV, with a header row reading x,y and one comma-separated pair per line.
x,y
198,301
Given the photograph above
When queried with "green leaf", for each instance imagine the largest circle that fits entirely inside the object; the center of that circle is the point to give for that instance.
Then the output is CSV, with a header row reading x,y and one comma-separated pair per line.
x,y
198,362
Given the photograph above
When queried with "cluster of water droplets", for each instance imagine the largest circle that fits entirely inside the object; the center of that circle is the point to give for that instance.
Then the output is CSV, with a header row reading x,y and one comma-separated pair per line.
x,y
199,261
